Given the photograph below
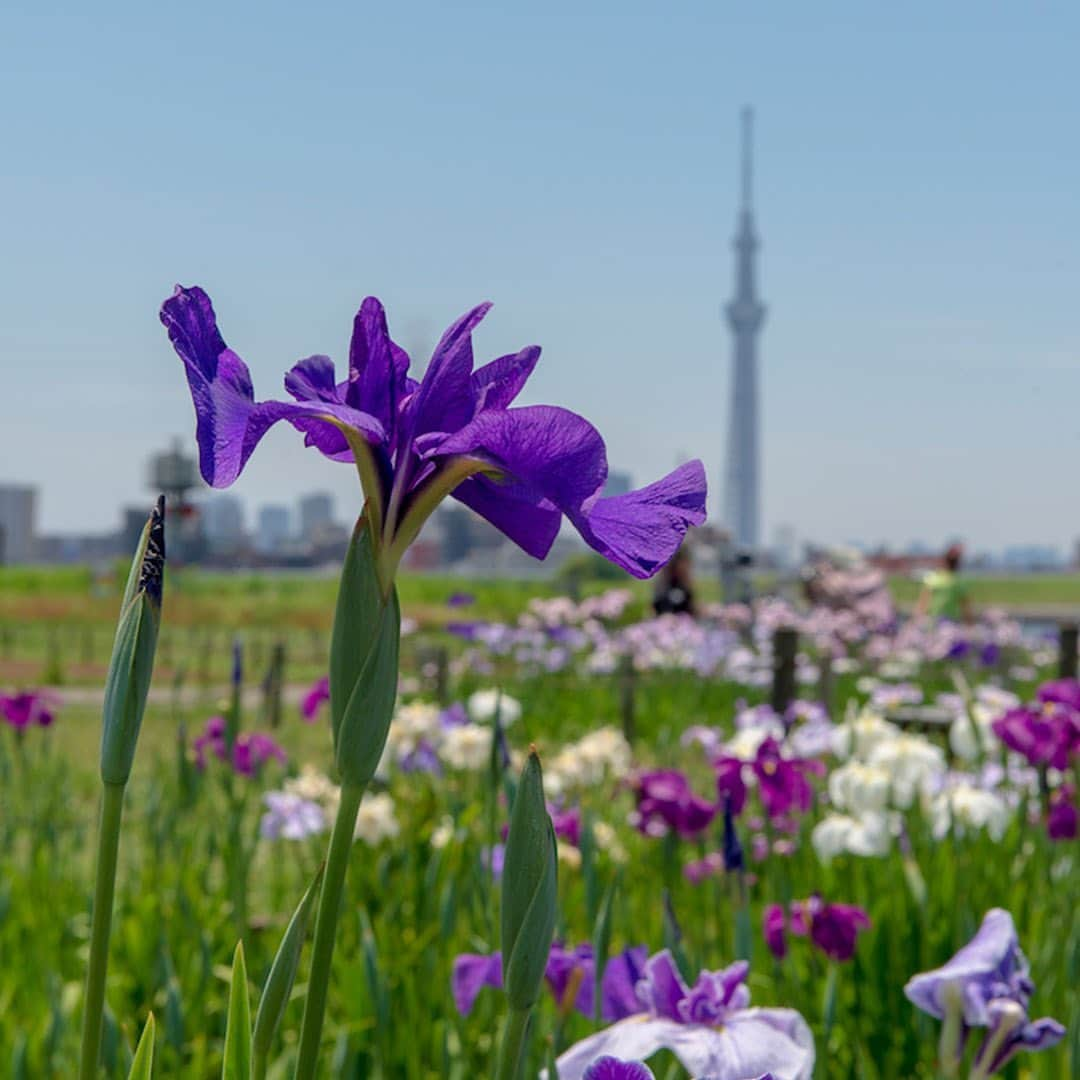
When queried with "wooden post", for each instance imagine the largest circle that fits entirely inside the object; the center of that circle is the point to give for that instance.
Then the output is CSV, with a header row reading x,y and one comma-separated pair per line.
x,y
785,646
1067,650
825,683
442,675
627,705
273,685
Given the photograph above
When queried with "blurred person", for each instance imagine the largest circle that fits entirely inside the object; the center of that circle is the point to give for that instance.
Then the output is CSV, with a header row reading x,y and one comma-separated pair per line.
x,y
945,593
674,593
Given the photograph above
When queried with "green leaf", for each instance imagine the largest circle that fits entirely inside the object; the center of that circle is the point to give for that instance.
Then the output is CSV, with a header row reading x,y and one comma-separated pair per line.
x,y
529,890
237,1064
142,1064
279,983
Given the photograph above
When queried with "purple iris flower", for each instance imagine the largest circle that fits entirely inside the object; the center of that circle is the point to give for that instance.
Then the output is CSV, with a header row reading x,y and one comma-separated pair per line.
x,y
250,752
833,928
1062,817
773,923
567,824
314,698
453,432
709,1027
781,781
709,866
566,968
609,1068
988,982
460,599
471,973
31,708
1045,737
571,973
734,859
1061,692
665,801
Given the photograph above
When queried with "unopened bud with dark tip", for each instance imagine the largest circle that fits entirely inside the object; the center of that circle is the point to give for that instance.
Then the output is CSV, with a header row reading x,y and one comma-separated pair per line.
x,y
132,662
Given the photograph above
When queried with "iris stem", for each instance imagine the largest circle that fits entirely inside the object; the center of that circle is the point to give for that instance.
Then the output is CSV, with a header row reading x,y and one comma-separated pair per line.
x,y
322,951
512,1050
112,805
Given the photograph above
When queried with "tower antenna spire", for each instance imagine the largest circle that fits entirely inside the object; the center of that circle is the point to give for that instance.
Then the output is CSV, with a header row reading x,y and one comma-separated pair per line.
x,y
747,157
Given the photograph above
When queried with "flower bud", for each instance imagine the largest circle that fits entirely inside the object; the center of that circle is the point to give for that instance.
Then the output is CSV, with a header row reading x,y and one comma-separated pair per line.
x,y
363,662
529,891
132,660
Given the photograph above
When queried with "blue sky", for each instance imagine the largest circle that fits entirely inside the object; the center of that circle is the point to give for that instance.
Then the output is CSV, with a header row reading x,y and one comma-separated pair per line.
x,y
918,195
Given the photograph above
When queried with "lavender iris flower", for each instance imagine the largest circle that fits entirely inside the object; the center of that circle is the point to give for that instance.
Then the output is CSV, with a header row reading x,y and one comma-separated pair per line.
x,y
665,801
290,817
709,1027
31,708
988,982
453,432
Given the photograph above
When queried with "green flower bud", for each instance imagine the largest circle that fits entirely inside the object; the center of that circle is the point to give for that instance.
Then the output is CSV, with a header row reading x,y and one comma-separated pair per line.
x,y
132,660
529,891
363,662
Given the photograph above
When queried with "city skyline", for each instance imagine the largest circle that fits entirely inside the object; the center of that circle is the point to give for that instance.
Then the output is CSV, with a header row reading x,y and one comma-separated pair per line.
x,y
921,361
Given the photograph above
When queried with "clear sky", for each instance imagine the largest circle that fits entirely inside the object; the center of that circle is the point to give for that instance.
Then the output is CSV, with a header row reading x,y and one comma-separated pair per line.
x,y
918,197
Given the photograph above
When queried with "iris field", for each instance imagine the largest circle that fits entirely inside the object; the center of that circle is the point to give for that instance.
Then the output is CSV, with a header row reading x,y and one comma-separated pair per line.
x,y
947,827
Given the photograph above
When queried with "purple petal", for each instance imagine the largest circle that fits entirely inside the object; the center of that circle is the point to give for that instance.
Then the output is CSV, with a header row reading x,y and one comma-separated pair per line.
x,y
609,1068
618,988
663,988
498,383
530,522
445,400
471,974
990,959
642,530
229,422
376,366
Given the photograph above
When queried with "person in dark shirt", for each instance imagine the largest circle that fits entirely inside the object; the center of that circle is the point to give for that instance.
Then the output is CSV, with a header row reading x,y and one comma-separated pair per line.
x,y
674,592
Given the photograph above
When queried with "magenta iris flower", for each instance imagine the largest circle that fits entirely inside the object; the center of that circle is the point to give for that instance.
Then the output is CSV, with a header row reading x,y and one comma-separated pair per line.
x,y
1046,736
1062,816
833,928
314,699
567,824
665,801
782,782
989,981
30,708
250,752
1061,692
452,432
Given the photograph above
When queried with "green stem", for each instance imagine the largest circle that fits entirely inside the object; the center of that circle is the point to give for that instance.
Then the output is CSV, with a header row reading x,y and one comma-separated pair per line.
x,y
512,1050
322,950
112,805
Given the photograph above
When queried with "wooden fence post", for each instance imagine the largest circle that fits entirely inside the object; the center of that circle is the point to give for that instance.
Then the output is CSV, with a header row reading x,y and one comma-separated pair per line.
x,y
1067,650
785,646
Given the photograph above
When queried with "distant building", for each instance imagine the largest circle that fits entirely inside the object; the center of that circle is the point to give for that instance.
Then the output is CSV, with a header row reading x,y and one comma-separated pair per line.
x,y
1025,557
463,533
18,523
274,529
618,483
316,511
223,523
